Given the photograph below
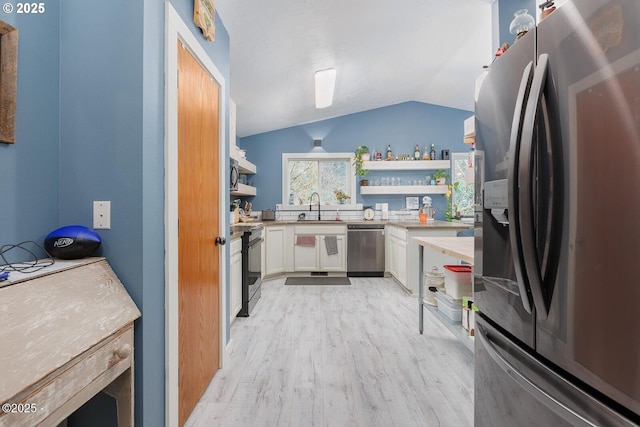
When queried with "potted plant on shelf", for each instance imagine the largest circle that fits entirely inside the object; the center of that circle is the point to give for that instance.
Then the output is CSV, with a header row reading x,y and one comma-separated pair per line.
x,y
450,212
341,196
361,154
440,176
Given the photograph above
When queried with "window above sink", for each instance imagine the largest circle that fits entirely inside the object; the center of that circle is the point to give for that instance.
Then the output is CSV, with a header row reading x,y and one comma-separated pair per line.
x,y
324,173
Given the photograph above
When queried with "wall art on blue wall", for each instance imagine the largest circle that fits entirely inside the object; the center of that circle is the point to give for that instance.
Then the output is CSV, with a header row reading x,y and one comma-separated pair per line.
x,y
8,82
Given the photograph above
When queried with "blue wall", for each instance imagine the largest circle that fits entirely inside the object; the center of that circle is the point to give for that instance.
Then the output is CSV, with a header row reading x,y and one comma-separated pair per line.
x,y
101,149
112,145
403,126
506,10
29,168
90,126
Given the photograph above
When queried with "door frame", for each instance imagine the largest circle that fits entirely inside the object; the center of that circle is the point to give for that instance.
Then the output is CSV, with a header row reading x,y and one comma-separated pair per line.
x,y
176,29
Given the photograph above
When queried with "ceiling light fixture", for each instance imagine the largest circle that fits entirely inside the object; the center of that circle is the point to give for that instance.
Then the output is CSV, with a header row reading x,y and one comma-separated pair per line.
x,y
325,84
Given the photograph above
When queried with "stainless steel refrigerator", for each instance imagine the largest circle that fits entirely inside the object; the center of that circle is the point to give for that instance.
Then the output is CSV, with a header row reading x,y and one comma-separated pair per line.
x,y
557,269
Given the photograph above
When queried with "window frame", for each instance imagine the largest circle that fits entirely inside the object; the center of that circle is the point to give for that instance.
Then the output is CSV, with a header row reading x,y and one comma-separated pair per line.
x,y
461,156
348,157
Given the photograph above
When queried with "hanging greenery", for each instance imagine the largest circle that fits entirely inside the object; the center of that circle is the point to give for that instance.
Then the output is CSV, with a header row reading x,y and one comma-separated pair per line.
x,y
358,160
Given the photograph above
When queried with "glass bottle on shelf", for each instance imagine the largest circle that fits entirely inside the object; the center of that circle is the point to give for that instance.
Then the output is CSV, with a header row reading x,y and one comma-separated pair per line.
x,y
432,153
389,152
426,155
416,154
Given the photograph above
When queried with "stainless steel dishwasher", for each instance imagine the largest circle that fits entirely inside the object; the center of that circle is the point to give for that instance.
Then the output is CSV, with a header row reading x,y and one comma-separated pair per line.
x,y
365,250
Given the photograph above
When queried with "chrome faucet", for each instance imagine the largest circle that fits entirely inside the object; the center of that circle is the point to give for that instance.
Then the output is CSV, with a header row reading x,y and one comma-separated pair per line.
x,y
311,200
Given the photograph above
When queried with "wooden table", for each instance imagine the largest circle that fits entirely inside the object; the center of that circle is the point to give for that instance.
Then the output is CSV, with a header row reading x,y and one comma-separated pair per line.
x,y
66,334
457,247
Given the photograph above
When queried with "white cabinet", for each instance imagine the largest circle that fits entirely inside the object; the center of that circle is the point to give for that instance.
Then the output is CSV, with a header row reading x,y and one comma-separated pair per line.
x,y
335,262
391,246
402,261
309,257
396,242
305,258
274,260
235,278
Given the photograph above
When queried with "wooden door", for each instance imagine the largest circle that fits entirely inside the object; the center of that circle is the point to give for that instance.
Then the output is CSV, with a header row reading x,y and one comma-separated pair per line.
x,y
198,226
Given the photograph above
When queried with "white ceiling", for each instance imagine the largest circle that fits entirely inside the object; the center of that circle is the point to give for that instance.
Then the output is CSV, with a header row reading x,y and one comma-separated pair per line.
x,y
385,52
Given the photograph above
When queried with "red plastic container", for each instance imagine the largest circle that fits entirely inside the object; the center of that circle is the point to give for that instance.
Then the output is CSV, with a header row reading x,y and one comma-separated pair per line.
x,y
457,280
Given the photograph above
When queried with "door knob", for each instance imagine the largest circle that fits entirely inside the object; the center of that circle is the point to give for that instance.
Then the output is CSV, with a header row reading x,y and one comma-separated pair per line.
x,y
220,241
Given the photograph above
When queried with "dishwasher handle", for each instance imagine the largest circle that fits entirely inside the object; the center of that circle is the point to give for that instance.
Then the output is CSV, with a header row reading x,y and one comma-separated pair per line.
x,y
365,227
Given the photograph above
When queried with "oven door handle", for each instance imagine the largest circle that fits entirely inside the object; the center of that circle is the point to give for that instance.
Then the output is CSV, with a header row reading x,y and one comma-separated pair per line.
x,y
255,242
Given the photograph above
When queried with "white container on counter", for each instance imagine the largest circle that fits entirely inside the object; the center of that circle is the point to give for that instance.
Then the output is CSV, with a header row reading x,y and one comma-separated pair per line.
x,y
457,280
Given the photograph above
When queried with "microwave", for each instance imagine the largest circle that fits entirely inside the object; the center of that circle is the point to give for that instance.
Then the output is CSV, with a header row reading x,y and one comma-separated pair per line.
x,y
234,177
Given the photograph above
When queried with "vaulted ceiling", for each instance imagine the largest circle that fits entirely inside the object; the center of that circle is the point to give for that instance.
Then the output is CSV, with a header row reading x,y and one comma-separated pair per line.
x,y
385,52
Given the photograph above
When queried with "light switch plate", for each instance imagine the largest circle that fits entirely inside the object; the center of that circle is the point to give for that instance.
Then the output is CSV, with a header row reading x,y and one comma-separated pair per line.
x,y
102,215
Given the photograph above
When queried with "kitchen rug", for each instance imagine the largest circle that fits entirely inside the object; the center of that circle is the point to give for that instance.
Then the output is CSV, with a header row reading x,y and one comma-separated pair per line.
x,y
317,281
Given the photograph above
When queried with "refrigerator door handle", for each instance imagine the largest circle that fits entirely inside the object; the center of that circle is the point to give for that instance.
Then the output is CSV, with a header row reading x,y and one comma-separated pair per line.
x,y
525,177
534,390
514,151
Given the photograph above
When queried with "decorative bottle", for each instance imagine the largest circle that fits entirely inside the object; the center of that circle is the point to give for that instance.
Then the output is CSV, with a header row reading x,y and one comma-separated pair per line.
x,y
389,152
416,154
426,155
432,153
546,8
522,23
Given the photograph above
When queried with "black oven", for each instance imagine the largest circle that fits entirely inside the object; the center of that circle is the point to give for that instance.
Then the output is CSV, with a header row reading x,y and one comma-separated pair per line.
x,y
251,269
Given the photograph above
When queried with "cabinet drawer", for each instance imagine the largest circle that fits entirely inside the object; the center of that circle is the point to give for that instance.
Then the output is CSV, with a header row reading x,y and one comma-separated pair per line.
x,y
59,394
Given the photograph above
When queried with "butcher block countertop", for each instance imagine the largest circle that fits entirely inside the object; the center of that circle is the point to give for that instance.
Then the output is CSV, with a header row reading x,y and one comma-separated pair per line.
x,y
67,333
457,247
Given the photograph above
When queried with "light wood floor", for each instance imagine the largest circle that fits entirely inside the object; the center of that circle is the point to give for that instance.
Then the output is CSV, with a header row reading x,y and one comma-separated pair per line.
x,y
339,356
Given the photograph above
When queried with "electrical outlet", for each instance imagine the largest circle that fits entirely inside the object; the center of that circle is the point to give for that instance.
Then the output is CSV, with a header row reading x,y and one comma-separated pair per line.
x,y
102,215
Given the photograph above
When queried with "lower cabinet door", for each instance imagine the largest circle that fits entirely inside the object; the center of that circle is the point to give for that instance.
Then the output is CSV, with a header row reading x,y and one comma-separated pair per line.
x,y
305,258
393,256
402,262
235,294
334,262
273,250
